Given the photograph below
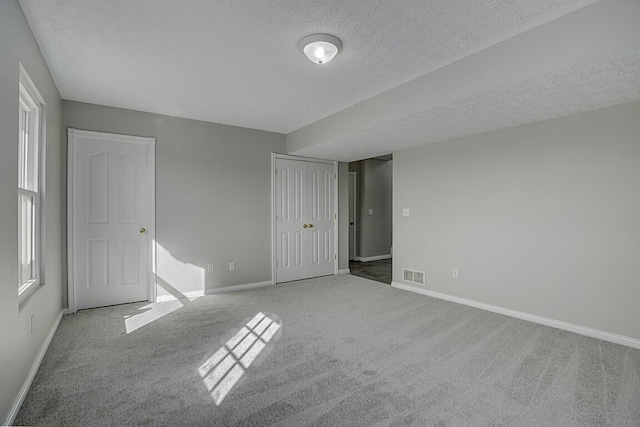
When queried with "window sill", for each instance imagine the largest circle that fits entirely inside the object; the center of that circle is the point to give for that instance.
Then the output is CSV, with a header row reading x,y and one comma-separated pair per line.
x,y
25,291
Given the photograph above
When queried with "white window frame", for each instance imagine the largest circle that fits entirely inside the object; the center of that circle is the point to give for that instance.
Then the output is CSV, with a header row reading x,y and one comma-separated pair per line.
x,y
32,104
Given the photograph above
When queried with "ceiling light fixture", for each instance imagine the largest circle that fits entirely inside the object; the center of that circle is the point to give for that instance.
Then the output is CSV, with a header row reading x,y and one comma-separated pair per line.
x,y
320,48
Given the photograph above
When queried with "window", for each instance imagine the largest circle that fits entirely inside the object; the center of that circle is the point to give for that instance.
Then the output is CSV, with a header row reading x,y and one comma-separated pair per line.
x,y
30,185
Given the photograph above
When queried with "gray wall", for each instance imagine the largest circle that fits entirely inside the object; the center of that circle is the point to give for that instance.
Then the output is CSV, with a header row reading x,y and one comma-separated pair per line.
x,y
213,188
374,191
541,218
19,346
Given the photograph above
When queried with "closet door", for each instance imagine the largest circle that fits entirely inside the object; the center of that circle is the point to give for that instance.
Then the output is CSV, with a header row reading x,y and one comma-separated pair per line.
x,y
320,218
304,215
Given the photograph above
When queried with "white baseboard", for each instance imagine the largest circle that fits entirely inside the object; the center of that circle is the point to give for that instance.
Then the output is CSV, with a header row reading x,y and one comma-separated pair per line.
x,y
32,373
571,327
344,271
235,288
371,258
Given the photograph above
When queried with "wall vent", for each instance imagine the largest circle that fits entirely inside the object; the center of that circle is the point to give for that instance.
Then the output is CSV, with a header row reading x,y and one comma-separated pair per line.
x,y
413,276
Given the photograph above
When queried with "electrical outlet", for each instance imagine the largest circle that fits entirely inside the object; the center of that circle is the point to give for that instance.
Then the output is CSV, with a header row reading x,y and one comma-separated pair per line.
x,y
405,212
455,274
33,323
210,268
232,266
370,211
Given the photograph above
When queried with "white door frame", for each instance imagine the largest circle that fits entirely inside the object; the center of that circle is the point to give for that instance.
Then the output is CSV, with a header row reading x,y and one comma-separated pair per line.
x,y
355,214
73,134
275,156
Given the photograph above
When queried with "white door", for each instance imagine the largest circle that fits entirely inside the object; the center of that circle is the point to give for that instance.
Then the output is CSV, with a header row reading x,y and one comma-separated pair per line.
x,y
111,218
305,219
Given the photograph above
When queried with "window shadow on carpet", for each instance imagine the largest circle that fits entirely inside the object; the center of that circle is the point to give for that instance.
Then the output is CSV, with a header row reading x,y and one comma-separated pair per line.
x,y
222,370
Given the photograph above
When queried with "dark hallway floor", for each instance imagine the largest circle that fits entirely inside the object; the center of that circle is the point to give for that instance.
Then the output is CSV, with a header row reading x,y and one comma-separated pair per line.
x,y
380,271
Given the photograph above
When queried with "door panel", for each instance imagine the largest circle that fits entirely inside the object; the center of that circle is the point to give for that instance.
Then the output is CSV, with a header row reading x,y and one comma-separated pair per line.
x,y
321,219
304,219
98,197
291,179
98,263
129,255
111,208
128,192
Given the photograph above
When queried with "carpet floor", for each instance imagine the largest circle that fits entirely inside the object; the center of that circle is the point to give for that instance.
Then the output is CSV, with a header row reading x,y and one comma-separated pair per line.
x,y
338,350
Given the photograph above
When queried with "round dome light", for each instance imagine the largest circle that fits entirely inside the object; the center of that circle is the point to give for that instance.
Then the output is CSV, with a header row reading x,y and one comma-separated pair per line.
x,y
320,48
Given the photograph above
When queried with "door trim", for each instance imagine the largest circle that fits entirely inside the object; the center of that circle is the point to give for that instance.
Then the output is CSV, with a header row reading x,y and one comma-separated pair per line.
x,y
354,244
72,135
274,157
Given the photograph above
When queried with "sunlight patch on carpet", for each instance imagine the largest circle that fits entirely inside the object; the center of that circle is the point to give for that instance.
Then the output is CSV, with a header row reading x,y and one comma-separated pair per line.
x,y
224,368
150,313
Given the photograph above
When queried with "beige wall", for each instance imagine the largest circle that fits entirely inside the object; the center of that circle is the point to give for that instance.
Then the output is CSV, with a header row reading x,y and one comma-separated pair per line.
x,y
542,218
19,346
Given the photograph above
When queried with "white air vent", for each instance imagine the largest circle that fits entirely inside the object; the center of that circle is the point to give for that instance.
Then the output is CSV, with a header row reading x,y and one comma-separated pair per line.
x,y
413,276
418,277
408,275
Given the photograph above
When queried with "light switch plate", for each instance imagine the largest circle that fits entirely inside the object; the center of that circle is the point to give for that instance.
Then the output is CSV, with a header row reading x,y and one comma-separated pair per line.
x,y
370,211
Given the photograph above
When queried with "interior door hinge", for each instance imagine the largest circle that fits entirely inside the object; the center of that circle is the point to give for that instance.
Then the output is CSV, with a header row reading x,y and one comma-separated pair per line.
x,y
335,256
335,176
335,216
276,171
276,263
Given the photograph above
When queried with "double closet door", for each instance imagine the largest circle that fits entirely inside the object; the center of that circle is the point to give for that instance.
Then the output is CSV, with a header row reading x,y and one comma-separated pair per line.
x,y
305,216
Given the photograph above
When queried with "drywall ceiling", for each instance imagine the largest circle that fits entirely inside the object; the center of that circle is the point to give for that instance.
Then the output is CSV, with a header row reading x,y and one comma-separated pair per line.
x,y
238,63
585,60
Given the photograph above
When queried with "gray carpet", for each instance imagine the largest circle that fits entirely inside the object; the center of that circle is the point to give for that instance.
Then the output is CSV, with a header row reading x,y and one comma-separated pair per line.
x,y
348,352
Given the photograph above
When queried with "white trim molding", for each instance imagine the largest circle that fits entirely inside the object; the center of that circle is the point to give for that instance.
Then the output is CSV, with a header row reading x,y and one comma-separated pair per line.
x,y
558,324
372,258
344,271
17,404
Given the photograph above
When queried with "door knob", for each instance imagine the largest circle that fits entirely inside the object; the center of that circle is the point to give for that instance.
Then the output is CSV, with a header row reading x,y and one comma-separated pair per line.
x,y
304,225
310,225
143,230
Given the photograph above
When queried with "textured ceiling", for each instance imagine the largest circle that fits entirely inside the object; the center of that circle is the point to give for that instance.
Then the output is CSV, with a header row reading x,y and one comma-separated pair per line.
x,y
597,83
237,62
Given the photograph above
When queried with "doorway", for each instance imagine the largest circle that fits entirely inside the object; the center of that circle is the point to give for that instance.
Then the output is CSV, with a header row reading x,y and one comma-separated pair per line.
x,y
370,217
